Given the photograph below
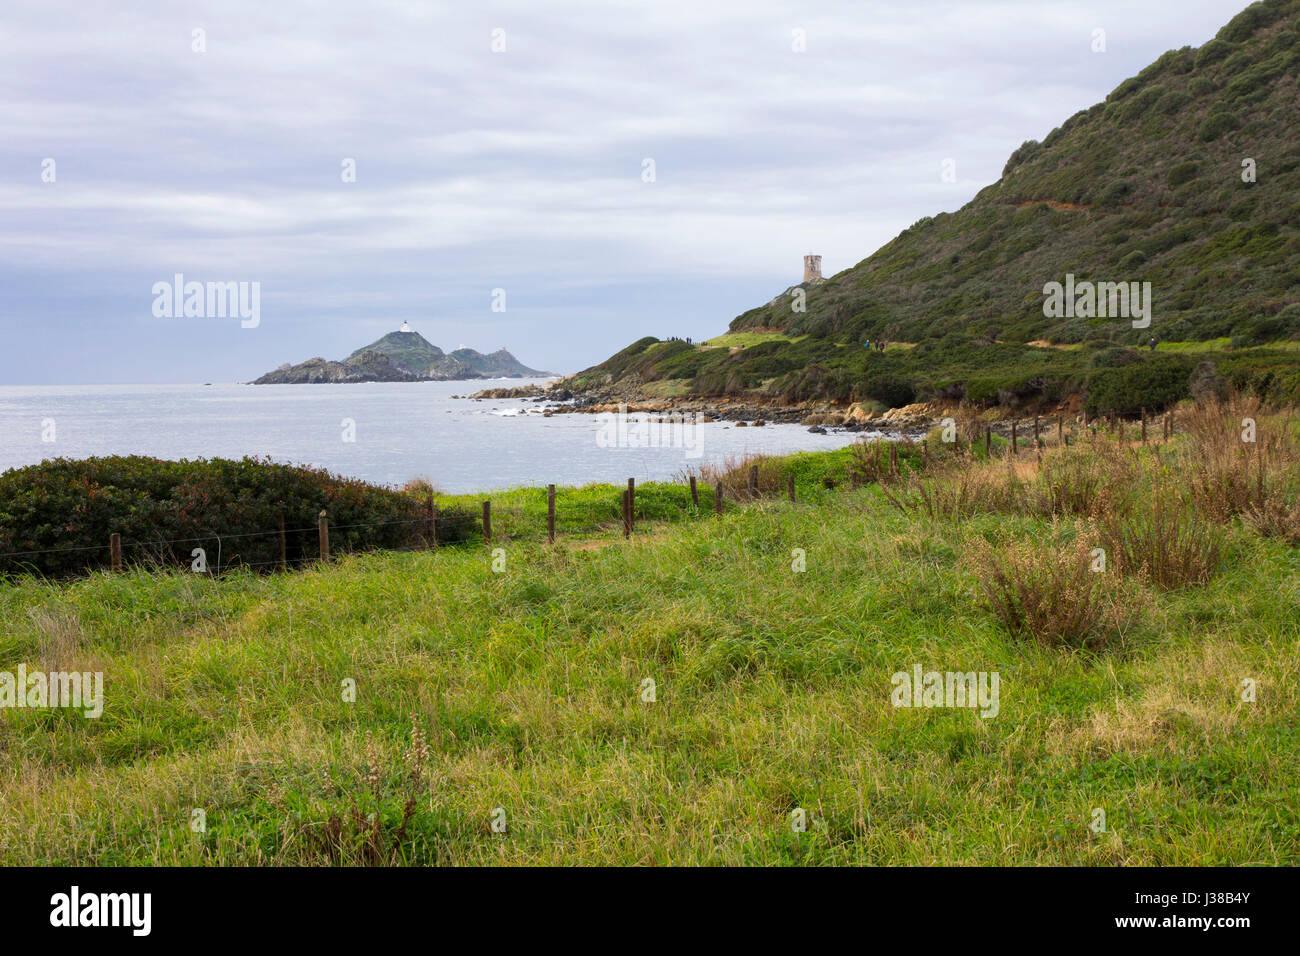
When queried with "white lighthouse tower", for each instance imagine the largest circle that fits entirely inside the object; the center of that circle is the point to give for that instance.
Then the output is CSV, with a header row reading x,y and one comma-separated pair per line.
x,y
406,327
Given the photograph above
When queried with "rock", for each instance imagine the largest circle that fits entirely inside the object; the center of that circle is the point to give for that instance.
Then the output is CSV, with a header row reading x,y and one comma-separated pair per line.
x,y
822,418
817,430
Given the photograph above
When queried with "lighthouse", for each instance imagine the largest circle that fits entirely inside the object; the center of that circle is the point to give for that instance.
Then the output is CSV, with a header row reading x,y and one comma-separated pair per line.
x,y
406,327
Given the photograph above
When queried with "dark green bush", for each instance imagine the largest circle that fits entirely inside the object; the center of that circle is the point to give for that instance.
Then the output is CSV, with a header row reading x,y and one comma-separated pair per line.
x,y
1172,102
1216,124
892,390
1153,384
164,509
1182,173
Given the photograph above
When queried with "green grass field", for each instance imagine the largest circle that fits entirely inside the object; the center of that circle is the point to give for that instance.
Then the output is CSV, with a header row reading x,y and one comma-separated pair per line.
x,y
518,695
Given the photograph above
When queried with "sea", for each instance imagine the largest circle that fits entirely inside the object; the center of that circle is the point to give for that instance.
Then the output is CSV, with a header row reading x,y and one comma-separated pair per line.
x,y
383,432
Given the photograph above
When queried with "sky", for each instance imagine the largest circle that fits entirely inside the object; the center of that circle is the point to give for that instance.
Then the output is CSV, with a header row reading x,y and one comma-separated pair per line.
x,y
558,178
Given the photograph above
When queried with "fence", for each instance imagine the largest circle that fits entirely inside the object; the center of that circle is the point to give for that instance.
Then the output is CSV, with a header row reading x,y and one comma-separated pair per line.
x,y
305,544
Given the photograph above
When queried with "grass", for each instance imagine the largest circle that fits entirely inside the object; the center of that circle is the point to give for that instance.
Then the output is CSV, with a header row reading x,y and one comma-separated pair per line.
x,y
520,696
746,339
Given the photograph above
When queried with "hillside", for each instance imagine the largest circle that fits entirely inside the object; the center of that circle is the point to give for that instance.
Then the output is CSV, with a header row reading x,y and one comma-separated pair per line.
x,y
402,356
1147,186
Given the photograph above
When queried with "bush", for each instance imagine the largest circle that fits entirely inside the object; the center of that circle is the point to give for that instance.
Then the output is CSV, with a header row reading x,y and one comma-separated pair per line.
x,y
1046,591
894,391
1163,540
68,509
1182,173
1022,155
1153,384
1216,124
1172,102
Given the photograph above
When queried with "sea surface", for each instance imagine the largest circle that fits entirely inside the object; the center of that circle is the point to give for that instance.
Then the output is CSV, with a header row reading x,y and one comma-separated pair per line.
x,y
399,431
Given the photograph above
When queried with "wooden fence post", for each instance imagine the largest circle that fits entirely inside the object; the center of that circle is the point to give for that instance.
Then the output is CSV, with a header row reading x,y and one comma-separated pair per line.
x,y
115,552
433,522
893,458
323,533
627,512
1015,446
925,455
284,546
487,523
717,497
1144,426
988,440
550,513
790,484
753,481
695,493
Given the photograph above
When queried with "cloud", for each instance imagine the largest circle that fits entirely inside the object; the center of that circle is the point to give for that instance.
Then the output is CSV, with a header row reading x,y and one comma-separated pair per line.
x,y
520,169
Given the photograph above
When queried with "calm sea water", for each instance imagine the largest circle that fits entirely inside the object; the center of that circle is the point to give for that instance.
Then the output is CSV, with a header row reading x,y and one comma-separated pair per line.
x,y
403,430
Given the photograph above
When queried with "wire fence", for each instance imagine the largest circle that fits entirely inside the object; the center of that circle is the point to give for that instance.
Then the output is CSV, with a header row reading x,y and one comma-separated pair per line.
x,y
308,544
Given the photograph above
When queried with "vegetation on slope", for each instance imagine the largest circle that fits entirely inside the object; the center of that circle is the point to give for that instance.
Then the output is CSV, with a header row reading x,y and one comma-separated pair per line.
x,y
1148,186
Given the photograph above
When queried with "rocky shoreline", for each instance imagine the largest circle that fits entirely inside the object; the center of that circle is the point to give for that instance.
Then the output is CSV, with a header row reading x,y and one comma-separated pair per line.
x,y
818,417
743,412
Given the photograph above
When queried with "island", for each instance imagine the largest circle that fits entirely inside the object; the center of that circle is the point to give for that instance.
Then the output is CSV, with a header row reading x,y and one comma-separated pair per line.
x,y
402,356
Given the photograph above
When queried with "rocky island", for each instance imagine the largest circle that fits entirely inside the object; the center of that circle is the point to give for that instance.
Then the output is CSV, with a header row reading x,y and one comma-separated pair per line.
x,y
402,356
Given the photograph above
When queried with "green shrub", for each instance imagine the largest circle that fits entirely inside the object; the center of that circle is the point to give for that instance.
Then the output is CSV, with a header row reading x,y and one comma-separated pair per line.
x,y
1022,155
1182,173
1217,49
1216,124
1153,384
892,390
1172,102
68,509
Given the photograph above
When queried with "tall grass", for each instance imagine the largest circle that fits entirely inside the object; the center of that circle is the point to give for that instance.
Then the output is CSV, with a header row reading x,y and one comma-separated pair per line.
x,y
773,684
1048,590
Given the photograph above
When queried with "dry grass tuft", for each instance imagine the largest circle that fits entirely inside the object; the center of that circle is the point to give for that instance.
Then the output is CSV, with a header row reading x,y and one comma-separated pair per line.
x,y
1047,591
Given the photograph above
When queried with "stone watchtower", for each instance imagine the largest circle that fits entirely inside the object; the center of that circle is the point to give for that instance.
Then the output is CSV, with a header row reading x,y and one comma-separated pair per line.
x,y
812,268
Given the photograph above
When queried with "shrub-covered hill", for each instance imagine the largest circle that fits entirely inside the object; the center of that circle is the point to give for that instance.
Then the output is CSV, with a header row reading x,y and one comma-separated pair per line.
x,y
1148,186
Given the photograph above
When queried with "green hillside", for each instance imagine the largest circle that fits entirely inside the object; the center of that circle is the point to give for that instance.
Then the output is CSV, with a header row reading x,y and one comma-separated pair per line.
x,y
409,351
413,353
1148,186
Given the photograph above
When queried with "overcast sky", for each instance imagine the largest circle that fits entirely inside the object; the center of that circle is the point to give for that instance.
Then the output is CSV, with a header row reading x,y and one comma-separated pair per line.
x,y
477,170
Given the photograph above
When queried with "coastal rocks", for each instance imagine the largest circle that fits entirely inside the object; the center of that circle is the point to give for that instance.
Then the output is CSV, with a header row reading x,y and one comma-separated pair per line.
x,y
367,367
857,414
817,430
520,391
916,415
822,418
